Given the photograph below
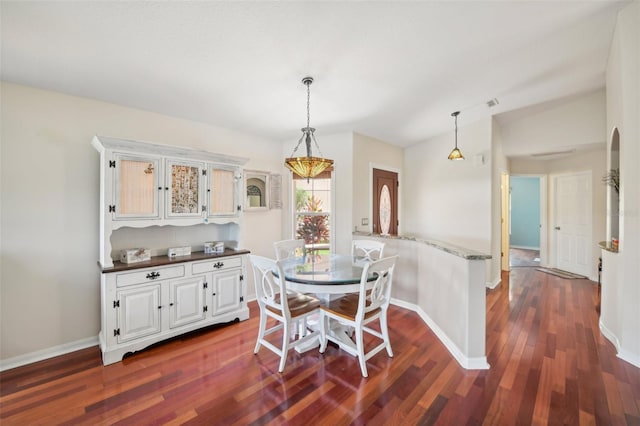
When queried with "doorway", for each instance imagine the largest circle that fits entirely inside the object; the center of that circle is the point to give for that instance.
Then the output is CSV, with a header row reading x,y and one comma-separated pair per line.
x,y
524,235
536,253
385,202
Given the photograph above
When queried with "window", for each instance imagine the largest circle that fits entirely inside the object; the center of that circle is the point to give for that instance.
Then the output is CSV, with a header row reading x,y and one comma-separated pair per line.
x,y
313,211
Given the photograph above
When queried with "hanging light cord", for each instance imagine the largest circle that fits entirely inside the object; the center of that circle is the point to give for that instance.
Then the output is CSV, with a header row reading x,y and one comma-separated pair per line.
x,y
308,131
455,116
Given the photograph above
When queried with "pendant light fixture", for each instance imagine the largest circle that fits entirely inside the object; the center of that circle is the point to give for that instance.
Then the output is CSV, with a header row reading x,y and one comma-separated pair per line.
x,y
309,166
456,154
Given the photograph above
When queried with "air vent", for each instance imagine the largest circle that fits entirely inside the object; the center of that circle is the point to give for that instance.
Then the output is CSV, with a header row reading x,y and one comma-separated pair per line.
x,y
493,102
548,154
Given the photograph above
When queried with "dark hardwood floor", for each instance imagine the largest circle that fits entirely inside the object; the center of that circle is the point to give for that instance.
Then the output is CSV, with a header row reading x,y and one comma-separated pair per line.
x,y
549,365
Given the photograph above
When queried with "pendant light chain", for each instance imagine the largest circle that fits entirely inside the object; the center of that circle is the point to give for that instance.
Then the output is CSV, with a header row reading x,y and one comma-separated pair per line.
x,y
308,83
309,129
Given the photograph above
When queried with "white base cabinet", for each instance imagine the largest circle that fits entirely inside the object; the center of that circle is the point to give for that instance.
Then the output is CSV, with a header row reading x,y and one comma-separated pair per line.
x,y
146,303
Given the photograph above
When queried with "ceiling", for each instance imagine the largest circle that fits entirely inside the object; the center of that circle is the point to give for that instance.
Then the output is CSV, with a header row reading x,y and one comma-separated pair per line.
x,y
391,70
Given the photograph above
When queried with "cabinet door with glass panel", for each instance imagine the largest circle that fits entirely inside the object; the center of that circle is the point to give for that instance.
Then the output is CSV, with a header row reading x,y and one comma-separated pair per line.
x,y
222,191
184,189
137,189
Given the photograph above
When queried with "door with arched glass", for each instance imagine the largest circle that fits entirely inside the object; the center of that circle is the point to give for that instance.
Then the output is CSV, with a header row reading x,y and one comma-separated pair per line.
x,y
385,202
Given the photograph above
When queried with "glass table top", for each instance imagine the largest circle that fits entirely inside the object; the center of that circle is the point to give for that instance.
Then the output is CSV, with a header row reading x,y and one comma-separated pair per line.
x,y
324,269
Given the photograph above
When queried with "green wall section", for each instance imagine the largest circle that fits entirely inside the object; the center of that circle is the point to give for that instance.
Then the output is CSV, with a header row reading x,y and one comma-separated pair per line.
x,y
525,212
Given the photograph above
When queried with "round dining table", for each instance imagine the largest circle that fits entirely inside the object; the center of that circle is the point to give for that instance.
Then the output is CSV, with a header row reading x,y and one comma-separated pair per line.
x,y
328,277
324,274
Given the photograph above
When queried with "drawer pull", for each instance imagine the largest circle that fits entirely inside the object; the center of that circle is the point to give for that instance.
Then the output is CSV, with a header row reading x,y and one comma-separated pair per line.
x,y
218,265
153,275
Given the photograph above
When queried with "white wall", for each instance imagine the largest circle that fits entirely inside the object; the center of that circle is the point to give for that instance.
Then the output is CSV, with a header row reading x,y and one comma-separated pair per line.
x,y
451,200
563,124
367,153
620,321
49,277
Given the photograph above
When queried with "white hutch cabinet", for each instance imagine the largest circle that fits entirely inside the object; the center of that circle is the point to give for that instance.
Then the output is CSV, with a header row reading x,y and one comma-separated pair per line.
x,y
145,185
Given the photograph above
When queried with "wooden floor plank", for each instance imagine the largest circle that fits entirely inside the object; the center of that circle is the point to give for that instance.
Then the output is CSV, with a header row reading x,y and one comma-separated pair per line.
x,y
549,365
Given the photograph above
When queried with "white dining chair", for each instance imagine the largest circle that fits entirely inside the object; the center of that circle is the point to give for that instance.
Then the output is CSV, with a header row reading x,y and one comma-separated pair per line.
x,y
287,310
368,249
357,310
286,249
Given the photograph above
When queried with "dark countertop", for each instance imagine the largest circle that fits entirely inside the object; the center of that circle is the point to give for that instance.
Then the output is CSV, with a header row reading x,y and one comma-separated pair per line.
x,y
165,260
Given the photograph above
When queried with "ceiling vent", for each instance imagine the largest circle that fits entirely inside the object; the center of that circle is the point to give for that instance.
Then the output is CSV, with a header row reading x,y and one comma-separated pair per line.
x,y
493,102
549,154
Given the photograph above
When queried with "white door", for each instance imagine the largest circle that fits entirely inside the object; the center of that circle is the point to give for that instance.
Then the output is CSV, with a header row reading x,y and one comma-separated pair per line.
x,y
187,301
573,222
227,291
138,312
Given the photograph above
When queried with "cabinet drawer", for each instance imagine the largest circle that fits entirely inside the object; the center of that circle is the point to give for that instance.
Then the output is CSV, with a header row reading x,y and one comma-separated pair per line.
x,y
219,264
149,275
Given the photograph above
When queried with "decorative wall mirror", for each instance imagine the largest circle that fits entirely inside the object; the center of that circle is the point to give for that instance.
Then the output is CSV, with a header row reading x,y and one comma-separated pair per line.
x,y
256,186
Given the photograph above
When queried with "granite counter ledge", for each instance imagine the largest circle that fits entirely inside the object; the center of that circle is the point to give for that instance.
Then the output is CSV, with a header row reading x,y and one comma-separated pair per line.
x,y
462,252
606,245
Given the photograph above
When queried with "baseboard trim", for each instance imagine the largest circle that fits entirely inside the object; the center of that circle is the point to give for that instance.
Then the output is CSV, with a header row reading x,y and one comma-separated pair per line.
x,y
19,361
474,363
621,353
491,285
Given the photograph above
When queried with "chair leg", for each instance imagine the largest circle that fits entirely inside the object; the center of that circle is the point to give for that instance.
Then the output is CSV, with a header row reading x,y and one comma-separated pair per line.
x,y
360,348
323,332
285,347
302,328
261,328
385,333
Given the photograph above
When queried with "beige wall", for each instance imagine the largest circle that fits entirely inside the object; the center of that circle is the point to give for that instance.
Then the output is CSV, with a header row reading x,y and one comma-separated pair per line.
x,y
369,153
49,276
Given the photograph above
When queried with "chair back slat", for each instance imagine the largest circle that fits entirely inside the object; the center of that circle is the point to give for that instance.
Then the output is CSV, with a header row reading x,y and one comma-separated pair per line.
x,y
368,249
270,290
376,294
286,249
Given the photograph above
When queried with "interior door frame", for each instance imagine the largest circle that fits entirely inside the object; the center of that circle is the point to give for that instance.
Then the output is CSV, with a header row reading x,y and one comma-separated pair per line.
x,y
371,194
505,216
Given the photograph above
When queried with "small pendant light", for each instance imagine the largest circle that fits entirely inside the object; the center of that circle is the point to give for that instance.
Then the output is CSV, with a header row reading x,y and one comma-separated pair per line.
x,y
456,154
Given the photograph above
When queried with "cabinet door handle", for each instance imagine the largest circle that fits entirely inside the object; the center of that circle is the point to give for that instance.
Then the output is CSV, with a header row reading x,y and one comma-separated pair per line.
x,y
153,275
